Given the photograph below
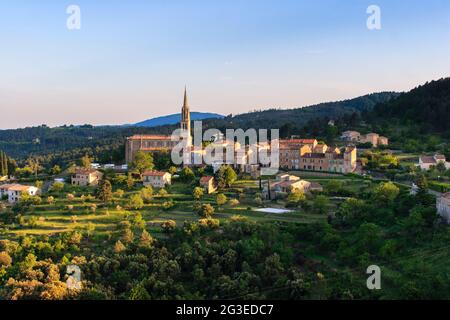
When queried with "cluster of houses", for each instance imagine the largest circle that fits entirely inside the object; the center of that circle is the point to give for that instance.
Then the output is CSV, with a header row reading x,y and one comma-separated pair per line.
x,y
427,162
373,138
309,155
285,184
13,192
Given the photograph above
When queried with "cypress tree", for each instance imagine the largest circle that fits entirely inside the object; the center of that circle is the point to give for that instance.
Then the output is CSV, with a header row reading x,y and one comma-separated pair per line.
x,y
5,164
2,164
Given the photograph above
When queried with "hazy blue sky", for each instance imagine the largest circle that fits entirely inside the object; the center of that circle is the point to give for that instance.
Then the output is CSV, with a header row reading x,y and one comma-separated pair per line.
x,y
131,59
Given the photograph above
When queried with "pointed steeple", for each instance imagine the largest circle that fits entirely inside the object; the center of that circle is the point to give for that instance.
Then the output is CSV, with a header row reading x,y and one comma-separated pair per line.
x,y
186,103
186,118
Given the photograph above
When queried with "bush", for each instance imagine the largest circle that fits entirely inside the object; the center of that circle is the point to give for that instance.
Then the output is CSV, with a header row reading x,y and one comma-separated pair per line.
x,y
5,259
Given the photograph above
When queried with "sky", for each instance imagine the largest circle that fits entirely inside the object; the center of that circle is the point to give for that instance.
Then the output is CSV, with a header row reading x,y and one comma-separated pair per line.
x,y
130,60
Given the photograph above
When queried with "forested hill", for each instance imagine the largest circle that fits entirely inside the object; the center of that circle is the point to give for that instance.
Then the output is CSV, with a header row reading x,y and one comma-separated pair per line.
x,y
106,143
276,118
427,106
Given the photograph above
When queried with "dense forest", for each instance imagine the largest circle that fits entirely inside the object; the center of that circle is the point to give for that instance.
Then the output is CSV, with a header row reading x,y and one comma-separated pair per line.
x,y
427,106
242,259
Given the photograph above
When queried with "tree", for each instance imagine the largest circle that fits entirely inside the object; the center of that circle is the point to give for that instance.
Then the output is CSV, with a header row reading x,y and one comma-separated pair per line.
x,y
34,165
39,184
368,237
127,236
3,164
119,193
206,211
5,259
136,202
146,239
422,183
197,193
86,162
55,170
130,181
105,192
172,170
119,247
441,167
168,225
147,193
142,162
226,176
296,196
386,192
187,175
320,204
221,199
57,186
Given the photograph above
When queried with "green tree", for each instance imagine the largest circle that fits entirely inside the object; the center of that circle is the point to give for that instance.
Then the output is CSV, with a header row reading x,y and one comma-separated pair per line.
x,y
206,211
86,162
136,202
119,247
146,240
57,186
197,193
226,176
142,162
130,181
187,175
386,192
296,196
105,192
172,170
221,199
146,193
55,170
320,204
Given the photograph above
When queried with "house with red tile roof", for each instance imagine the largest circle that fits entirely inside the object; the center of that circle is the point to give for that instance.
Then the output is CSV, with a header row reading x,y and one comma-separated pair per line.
x,y
86,177
208,183
156,179
426,162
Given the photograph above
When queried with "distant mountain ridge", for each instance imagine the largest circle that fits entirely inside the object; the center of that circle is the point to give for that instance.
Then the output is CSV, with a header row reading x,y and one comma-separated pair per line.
x,y
176,118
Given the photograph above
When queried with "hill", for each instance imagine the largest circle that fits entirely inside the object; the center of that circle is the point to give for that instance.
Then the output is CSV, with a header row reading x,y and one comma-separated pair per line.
x,y
299,117
427,106
176,118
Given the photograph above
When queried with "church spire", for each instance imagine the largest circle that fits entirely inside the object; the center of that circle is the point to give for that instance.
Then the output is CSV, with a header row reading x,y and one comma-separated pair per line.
x,y
185,104
186,118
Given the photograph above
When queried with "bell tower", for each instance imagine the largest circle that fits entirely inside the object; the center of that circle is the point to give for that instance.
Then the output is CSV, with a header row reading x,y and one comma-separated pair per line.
x,y
186,118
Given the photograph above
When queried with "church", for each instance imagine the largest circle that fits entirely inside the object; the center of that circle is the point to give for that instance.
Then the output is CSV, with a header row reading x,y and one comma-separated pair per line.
x,y
158,143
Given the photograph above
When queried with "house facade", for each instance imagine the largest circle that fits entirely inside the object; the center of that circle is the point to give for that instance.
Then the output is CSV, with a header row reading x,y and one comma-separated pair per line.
x,y
157,179
208,183
86,177
443,206
13,192
317,157
426,162
285,184
373,138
